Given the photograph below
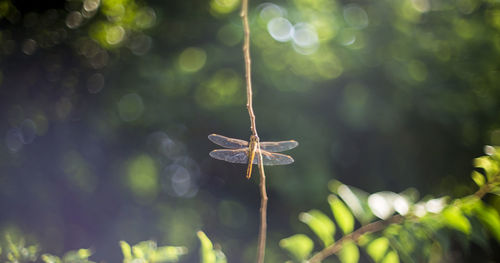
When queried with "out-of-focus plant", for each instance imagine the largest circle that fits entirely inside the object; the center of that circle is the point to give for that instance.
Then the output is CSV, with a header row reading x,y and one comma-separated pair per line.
x,y
406,229
148,251
74,256
13,249
209,254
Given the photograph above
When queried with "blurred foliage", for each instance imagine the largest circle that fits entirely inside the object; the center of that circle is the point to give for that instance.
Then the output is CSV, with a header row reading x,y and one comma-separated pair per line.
x,y
105,106
428,231
149,252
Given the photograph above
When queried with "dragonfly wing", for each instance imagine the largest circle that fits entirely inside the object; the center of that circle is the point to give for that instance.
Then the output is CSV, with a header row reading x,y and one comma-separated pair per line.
x,y
273,158
241,156
230,155
227,142
278,146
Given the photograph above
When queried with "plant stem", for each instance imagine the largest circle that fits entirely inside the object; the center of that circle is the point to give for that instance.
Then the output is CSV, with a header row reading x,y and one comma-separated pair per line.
x,y
354,236
261,247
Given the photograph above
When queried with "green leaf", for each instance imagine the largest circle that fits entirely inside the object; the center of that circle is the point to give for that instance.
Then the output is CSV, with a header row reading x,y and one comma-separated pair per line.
x,y
207,253
391,257
489,217
454,218
349,252
126,251
342,214
356,199
488,164
478,178
320,224
300,246
48,258
77,256
377,248
144,249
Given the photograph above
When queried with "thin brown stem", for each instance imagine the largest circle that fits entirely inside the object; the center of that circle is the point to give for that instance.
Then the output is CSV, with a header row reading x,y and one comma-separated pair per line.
x,y
354,236
248,63
261,247
487,187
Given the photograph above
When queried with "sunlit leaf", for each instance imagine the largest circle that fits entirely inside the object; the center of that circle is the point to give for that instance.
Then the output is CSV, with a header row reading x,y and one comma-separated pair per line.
x,y
143,249
377,248
300,246
489,217
490,167
454,218
391,257
77,256
354,198
342,214
126,251
320,224
168,254
349,252
478,178
207,253
381,204
48,258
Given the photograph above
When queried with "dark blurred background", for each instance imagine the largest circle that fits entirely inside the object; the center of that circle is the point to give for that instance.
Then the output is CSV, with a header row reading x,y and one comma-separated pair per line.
x,y
105,108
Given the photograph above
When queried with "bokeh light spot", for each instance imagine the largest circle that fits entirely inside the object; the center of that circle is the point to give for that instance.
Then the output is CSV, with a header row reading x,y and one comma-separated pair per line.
x,y
280,29
347,37
192,59
140,44
74,19
29,46
41,123
91,5
95,83
78,172
115,34
63,108
14,140
421,6
223,88
355,16
142,178
223,6
467,6
305,39
130,107
269,11
28,130
180,181
145,18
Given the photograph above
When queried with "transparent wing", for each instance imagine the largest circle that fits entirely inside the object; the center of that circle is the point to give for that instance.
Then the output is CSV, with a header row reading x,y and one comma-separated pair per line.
x,y
278,146
227,142
241,156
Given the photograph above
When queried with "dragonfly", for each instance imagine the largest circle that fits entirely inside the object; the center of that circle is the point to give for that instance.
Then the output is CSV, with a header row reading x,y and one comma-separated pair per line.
x,y
240,151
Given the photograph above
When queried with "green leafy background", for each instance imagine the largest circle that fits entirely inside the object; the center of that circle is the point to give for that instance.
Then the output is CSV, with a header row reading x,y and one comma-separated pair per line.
x,y
105,108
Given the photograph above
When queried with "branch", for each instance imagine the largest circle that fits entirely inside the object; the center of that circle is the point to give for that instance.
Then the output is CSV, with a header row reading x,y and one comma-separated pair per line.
x,y
261,248
487,187
354,236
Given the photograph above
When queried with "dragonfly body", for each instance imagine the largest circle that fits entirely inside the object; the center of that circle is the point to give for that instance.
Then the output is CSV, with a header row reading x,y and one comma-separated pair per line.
x,y
240,151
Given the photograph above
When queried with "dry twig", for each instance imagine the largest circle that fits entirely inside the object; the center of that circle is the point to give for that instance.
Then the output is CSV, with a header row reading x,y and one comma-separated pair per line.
x,y
263,193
